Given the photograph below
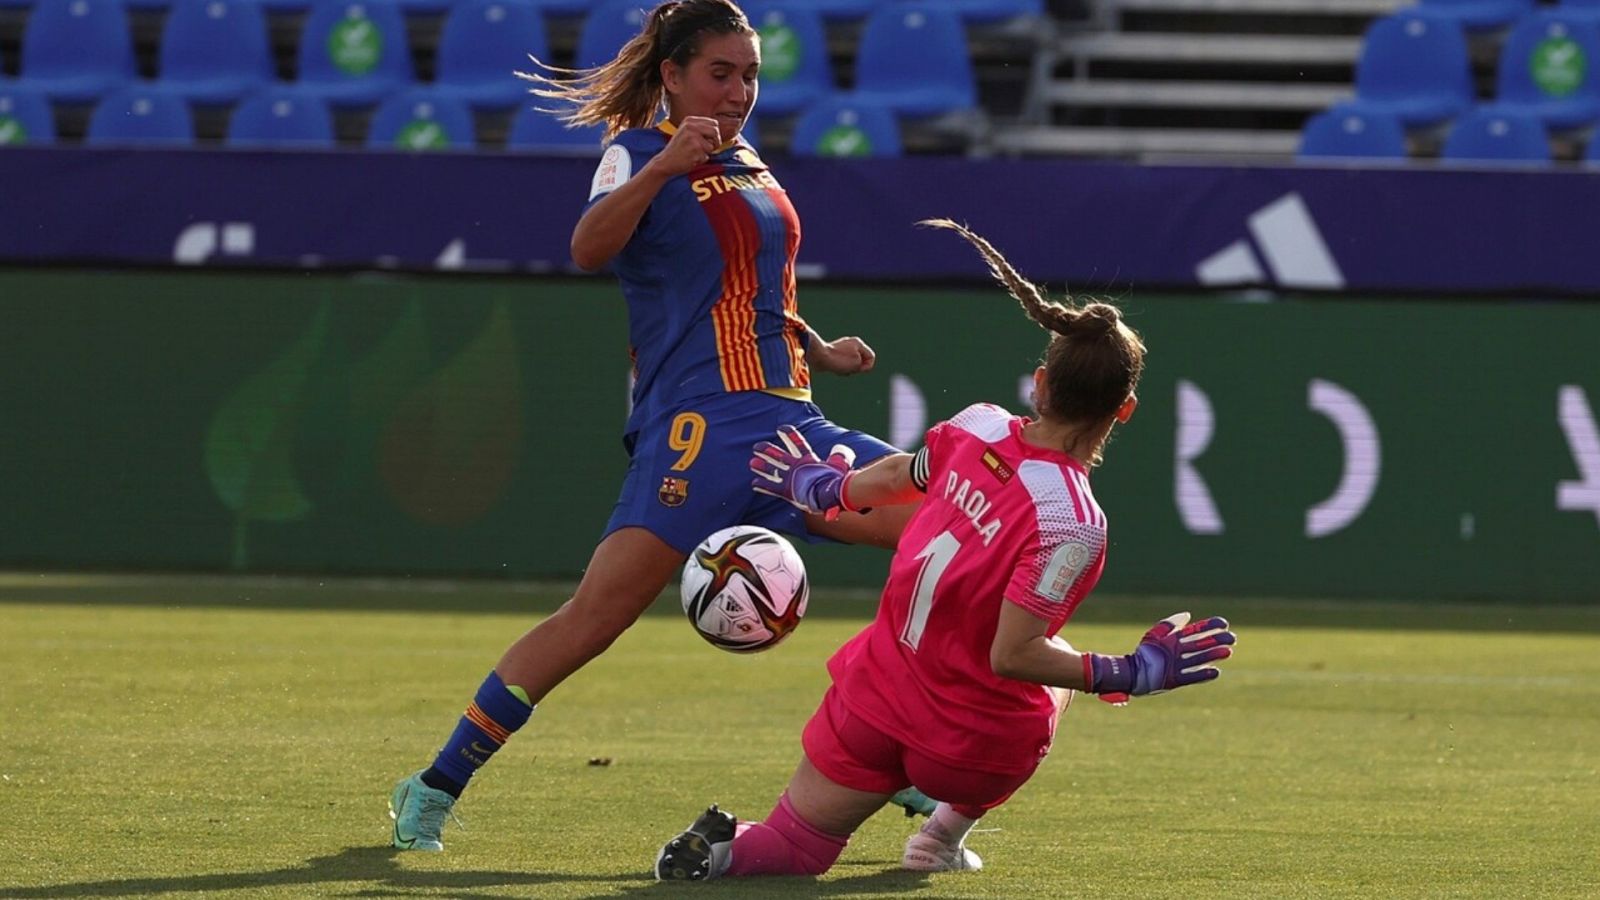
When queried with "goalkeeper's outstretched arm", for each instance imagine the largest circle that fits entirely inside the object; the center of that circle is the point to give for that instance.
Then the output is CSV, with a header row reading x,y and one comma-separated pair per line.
x,y
1174,653
790,470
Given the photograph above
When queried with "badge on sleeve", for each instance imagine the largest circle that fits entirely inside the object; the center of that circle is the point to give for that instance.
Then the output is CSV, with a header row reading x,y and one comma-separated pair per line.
x,y
1062,572
616,167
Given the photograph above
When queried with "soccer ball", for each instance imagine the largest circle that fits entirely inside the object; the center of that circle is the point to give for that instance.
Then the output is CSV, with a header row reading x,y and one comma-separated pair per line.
x,y
744,589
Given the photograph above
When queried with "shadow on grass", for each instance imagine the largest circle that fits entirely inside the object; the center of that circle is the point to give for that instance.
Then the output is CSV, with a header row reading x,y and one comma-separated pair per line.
x,y
376,872
534,599
891,881
353,864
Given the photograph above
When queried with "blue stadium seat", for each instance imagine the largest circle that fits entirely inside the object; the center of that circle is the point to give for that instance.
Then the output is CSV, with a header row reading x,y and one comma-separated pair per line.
x,y
1550,67
1480,15
609,25
215,51
481,47
979,12
913,59
1492,135
16,4
1585,8
1415,65
425,7
843,125
25,116
281,116
568,8
844,10
421,120
1347,131
795,71
534,130
143,115
77,50
354,53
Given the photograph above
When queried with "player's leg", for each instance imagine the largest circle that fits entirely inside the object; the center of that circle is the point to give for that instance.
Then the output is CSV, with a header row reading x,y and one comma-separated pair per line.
x,y
940,844
849,771
686,478
828,806
807,829
625,574
847,774
787,842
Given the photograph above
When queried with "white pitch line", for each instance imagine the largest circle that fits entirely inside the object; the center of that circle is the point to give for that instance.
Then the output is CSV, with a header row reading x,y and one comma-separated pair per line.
x,y
1336,678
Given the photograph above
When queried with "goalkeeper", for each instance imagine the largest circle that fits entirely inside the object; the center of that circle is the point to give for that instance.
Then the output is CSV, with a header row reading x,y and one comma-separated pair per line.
x,y
958,683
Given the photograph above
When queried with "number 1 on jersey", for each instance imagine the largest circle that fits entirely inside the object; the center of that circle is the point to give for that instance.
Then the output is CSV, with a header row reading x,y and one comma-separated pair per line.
x,y
935,558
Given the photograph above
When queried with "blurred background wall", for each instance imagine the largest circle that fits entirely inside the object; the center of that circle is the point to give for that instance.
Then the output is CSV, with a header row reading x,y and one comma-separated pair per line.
x,y
285,284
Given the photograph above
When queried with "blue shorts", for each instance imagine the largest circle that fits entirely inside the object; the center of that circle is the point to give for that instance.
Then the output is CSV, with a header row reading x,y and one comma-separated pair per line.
x,y
689,470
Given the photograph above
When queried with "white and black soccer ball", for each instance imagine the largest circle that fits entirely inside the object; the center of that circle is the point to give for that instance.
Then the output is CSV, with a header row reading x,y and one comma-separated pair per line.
x,y
745,589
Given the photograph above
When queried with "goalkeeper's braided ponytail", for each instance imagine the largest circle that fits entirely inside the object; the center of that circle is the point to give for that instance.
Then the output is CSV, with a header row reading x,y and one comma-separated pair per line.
x,y
1093,361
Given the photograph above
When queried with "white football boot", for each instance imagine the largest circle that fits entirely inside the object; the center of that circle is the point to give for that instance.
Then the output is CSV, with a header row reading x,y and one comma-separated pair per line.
x,y
926,853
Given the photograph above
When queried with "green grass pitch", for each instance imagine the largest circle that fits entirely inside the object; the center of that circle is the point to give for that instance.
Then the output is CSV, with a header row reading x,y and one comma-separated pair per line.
x,y
172,737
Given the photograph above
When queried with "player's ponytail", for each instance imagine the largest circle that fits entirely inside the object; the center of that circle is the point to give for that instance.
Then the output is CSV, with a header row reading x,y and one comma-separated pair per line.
x,y
1093,361
1050,315
627,91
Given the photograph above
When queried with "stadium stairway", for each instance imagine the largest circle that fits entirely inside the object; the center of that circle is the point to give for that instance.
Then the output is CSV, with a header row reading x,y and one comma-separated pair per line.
x,y
1148,79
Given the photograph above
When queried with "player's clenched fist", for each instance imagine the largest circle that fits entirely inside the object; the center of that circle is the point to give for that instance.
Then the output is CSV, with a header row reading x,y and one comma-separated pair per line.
x,y
696,139
845,356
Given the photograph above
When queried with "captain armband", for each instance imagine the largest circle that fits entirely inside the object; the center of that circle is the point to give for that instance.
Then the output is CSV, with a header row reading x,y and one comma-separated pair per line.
x,y
919,470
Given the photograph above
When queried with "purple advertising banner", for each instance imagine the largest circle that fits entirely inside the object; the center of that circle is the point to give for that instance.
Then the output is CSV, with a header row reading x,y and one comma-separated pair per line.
x,y
1094,226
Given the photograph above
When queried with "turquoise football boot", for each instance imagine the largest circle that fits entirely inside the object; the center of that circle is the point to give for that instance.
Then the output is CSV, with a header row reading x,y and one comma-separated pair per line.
x,y
914,802
418,812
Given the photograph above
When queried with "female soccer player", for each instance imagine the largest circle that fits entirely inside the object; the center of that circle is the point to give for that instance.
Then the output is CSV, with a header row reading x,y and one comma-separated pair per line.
x,y
956,685
703,239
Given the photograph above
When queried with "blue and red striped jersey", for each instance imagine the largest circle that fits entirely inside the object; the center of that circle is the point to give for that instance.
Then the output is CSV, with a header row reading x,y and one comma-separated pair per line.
x,y
708,277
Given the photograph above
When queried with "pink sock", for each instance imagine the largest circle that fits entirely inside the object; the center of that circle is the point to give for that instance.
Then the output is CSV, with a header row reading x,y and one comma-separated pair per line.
x,y
784,844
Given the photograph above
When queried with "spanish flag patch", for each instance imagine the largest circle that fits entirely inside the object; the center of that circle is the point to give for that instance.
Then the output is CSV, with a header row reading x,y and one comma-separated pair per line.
x,y
997,466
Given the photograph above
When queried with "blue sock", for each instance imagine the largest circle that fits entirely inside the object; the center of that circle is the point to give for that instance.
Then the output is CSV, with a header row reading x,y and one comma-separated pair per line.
x,y
494,714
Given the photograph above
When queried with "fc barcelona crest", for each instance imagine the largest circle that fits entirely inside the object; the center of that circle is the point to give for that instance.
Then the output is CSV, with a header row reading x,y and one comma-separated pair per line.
x,y
673,491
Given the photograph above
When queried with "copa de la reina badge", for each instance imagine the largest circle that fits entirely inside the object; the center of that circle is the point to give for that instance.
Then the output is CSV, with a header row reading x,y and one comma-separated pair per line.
x,y
616,167
1062,572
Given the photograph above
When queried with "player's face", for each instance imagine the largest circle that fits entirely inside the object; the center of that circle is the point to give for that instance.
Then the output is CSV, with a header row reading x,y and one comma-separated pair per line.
x,y
719,82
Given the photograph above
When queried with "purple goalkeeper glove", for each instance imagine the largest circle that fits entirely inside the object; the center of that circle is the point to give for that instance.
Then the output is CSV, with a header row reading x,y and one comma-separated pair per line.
x,y
1172,654
790,470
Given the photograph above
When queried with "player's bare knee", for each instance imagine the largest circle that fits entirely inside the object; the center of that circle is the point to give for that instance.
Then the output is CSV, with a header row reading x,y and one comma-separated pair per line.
x,y
584,629
598,625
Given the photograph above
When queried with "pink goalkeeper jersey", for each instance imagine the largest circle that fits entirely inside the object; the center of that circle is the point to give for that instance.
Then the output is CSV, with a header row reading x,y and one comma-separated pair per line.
x,y
1004,522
